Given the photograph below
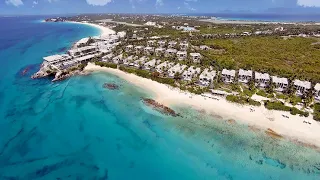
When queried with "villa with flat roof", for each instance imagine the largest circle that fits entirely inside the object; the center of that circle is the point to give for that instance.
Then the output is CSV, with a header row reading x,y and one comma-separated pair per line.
x,y
302,87
262,80
182,55
176,69
228,76
149,50
244,76
207,77
139,49
170,52
151,64
160,51
172,44
204,47
184,46
317,92
151,43
129,48
191,73
196,57
164,66
281,84
162,43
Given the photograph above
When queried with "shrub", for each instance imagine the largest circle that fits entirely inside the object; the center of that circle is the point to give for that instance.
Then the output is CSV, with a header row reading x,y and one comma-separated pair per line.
x,y
316,112
281,107
105,64
242,100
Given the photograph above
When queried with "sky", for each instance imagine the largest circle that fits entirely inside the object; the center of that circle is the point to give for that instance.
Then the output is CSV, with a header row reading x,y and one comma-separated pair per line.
x,y
8,7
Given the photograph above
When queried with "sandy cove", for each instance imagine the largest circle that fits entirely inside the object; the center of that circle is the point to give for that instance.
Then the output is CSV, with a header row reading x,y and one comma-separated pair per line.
x,y
292,128
104,30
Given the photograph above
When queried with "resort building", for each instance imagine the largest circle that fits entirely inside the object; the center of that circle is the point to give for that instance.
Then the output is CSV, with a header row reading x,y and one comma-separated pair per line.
x,y
151,64
228,76
56,59
128,60
191,73
82,42
244,76
196,57
204,48
138,49
140,62
281,84
149,50
207,77
302,87
163,66
262,80
170,52
172,44
78,52
117,59
162,43
317,92
176,69
182,55
160,51
129,48
184,46
151,42
107,58
78,60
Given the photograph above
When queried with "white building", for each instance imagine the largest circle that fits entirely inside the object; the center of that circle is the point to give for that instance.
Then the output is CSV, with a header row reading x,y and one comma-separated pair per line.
x,y
262,79
228,76
151,43
244,76
196,57
139,49
182,55
140,62
172,44
317,92
128,60
191,73
118,59
162,43
82,42
207,77
129,48
170,52
176,69
56,59
184,46
149,50
149,23
151,64
163,66
281,84
204,47
107,58
302,87
82,51
160,51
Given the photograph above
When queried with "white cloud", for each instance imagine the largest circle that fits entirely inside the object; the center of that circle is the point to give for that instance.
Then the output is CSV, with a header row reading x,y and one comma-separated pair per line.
x,y
159,3
14,2
98,2
309,3
35,2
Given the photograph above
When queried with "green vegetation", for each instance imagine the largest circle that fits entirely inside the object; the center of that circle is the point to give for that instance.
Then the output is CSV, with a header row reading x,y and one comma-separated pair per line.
x,y
277,105
316,113
294,100
242,100
292,57
224,29
104,64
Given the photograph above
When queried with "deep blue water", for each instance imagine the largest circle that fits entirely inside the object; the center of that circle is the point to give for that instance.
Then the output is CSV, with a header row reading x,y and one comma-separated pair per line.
x,y
280,17
76,129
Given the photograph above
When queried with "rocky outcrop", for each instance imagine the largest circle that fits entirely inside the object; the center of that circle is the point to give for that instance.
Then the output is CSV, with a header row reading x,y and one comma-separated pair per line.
x,y
44,71
64,75
110,86
159,107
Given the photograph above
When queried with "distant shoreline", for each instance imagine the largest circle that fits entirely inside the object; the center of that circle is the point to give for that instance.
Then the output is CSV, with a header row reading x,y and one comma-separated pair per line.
x,y
293,128
227,21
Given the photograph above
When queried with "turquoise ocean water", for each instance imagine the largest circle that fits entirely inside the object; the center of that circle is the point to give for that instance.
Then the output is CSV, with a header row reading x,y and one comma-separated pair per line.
x,y
76,129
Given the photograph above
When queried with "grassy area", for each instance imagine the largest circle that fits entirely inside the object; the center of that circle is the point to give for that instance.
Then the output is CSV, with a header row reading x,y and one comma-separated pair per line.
x,y
281,107
242,100
316,113
104,64
288,58
224,29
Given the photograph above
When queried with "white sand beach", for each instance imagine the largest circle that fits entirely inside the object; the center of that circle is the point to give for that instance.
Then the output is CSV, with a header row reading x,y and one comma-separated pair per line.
x,y
292,127
104,30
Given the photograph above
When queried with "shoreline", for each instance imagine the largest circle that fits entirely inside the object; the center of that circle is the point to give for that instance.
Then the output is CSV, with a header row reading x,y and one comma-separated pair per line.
x,y
104,31
227,21
292,129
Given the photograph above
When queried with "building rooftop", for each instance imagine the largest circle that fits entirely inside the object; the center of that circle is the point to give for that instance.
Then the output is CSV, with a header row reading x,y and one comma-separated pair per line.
x,y
305,84
317,87
228,72
195,54
243,72
261,75
56,57
279,80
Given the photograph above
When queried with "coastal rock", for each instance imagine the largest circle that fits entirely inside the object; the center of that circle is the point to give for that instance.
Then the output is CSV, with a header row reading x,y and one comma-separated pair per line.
x,y
159,107
273,134
110,86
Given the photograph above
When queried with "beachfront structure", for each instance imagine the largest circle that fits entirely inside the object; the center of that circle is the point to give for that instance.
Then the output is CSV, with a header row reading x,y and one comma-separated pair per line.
x,y
118,59
228,76
172,44
128,60
184,46
204,47
140,62
78,60
82,42
149,50
138,49
151,64
182,55
191,73
162,43
170,52
302,87
207,77
176,69
163,66
151,42
244,76
107,58
281,84
196,57
129,48
262,80
82,51
56,59
160,51
317,92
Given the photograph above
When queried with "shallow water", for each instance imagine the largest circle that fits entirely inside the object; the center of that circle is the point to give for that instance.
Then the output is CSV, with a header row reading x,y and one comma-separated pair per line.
x,y
77,129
